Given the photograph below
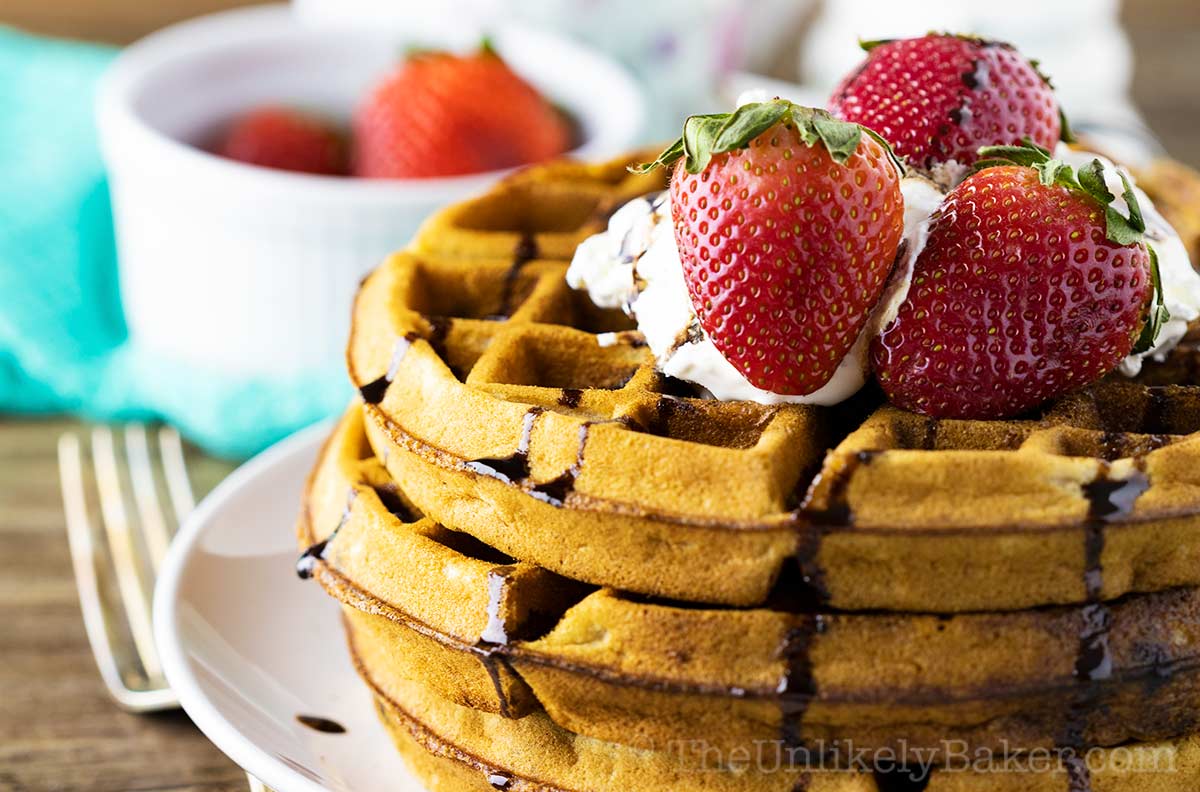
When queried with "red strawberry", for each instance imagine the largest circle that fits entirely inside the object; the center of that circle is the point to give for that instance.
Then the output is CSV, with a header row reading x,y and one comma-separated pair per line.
x,y
441,115
940,97
1030,285
787,223
277,137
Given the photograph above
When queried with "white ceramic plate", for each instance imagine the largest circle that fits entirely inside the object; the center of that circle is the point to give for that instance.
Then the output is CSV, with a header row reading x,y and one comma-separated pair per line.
x,y
248,646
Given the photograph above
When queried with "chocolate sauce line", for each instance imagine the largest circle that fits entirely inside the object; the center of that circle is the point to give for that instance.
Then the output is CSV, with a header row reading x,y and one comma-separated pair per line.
x,y
499,781
898,778
374,391
495,635
496,632
555,491
1154,419
492,663
798,687
525,252
1109,500
1079,776
324,725
814,523
307,562
515,469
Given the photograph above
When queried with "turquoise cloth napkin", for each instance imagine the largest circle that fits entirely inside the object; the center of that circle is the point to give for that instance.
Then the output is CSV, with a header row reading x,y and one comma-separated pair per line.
x,y
63,342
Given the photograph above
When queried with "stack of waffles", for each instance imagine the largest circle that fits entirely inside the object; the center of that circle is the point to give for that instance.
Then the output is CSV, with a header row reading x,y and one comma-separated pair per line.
x,y
561,570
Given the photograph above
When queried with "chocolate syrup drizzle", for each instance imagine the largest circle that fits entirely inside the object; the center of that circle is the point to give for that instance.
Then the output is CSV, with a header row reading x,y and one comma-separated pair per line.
x,y
499,781
525,252
797,688
324,725
439,328
374,391
1109,500
814,523
514,469
556,490
898,778
495,636
1154,419
493,663
496,631
309,558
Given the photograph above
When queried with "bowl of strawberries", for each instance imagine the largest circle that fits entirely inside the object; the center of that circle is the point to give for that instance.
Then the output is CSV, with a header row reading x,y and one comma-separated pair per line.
x,y
259,166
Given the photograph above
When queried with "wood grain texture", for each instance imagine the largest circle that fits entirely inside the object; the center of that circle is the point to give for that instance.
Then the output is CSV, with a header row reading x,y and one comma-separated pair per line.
x,y
58,728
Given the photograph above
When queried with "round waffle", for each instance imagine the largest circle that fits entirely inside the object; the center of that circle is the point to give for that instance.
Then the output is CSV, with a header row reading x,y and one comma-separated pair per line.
x,y
556,563
457,749
484,630
515,411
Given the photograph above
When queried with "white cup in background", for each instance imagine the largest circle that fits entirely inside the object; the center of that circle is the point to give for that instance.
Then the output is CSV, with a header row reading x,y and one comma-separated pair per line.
x,y
241,269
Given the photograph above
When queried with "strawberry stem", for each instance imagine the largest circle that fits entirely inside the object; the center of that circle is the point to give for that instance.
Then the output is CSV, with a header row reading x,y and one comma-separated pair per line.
x,y
718,133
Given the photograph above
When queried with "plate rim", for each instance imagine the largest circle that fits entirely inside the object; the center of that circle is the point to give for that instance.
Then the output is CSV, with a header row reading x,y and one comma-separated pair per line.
x,y
219,730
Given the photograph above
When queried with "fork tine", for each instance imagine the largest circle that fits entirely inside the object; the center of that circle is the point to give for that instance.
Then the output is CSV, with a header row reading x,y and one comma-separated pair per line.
x,y
175,467
124,553
145,493
83,559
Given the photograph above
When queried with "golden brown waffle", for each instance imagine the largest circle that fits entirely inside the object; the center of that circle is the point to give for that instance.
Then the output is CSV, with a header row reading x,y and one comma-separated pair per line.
x,y
456,749
507,637
582,560
1175,190
541,212
494,400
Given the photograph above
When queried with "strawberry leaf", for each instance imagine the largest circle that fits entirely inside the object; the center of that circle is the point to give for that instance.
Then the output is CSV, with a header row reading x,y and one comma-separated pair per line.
x,y
839,137
706,135
669,155
748,122
1091,178
1119,228
1067,133
870,44
699,135
1135,210
1157,315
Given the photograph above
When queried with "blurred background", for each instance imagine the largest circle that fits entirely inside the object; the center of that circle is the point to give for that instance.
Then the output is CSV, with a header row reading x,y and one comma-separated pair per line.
x,y
1163,36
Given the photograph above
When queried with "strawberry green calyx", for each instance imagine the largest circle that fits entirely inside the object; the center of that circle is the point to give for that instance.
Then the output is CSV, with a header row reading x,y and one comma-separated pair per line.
x,y
1157,315
866,45
488,47
1119,229
718,133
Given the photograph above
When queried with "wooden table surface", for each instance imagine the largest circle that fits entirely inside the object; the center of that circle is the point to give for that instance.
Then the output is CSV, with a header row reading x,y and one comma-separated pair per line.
x,y
58,729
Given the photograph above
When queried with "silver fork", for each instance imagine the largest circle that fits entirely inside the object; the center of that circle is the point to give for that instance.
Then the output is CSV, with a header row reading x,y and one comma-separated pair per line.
x,y
115,572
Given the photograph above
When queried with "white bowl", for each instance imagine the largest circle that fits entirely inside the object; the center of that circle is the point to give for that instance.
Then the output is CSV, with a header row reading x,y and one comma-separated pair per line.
x,y
240,269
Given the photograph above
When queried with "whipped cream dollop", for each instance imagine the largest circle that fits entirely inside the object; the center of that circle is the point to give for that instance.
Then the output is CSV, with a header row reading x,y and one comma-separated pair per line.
x,y
635,266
